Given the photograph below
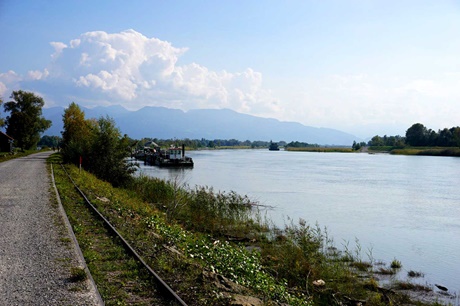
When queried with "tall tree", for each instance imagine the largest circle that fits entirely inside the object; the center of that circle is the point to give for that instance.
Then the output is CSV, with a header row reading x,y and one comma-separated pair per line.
x,y
76,135
417,135
25,122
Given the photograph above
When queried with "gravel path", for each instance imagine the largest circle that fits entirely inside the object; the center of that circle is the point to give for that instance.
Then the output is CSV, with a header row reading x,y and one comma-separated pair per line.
x,y
36,248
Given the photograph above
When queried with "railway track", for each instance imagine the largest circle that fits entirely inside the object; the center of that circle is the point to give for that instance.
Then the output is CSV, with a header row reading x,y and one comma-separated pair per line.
x,y
155,290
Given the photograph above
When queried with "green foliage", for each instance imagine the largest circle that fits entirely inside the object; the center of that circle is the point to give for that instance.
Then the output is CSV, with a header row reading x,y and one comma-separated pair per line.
x,y
206,143
216,212
77,274
297,144
50,141
357,146
387,141
99,144
76,135
417,135
396,264
25,122
108,153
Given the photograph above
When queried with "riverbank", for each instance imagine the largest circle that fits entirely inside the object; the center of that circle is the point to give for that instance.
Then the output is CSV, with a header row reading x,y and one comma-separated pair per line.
x,y
424,151
321,149
452,152
273,264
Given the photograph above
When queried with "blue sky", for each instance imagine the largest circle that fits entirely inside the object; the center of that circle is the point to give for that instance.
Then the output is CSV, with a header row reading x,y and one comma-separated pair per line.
x,y
365,67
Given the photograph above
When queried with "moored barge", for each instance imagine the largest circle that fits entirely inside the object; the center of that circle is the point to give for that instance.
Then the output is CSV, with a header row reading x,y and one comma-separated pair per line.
x,y
171,157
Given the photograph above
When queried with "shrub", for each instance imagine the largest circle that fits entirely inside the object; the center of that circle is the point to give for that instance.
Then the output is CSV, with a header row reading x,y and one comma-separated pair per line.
x,y
396,264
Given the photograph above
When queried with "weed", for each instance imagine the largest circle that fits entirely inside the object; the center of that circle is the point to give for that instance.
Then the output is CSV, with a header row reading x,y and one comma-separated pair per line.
x,y
411,286
414,274
396,264
385,271
65,240
361,265
77,274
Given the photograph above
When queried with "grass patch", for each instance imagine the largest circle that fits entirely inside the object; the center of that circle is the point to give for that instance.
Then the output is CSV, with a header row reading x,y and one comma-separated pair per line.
x,y
361,265
77,274
65,240
427,151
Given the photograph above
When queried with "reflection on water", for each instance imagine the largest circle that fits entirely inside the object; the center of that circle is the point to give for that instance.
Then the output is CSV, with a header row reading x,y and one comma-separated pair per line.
x,y
404,207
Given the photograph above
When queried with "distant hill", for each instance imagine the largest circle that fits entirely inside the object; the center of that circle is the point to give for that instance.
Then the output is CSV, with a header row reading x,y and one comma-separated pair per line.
x,y
161,122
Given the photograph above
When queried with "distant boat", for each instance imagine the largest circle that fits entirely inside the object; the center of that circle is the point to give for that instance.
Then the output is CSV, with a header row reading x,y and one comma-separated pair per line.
x,y
273,146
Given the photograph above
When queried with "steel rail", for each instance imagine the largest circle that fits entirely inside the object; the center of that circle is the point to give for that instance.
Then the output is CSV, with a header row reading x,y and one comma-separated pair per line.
x,y
160,281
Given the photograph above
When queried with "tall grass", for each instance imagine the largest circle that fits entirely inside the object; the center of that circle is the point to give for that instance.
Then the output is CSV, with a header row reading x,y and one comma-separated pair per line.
x,y
201,208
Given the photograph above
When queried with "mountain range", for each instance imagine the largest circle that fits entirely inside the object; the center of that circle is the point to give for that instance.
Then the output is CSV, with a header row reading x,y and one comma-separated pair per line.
x,y
166,123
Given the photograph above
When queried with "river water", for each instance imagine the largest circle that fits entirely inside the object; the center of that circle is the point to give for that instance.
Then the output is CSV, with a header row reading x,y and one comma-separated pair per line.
x,y
398,207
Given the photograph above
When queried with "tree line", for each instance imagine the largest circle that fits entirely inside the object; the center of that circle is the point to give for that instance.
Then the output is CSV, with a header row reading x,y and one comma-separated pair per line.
x,y
207,143
96,144
420,136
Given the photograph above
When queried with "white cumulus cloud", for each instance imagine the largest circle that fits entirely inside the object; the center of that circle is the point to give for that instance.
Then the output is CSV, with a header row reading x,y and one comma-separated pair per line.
x,y
58,48
37,74
133,70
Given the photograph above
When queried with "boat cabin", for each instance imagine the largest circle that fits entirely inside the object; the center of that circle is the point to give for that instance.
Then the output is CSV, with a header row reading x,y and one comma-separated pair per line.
x,y
175,153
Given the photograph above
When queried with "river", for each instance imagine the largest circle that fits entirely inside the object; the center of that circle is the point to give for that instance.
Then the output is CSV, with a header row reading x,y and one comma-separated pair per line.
x,y
398,207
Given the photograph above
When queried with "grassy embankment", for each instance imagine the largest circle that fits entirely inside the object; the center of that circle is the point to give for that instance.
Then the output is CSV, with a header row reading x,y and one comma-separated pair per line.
x,y
321,149
192,237
426,151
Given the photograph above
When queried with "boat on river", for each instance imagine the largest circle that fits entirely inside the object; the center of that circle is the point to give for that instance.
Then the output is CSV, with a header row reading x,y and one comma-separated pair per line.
x,y
170,157
273,146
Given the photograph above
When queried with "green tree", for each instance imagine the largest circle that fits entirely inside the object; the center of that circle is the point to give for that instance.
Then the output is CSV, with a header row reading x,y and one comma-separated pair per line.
x,y
108,153
50,141
25,122
417,135
357,146
456,136
76,136
376,141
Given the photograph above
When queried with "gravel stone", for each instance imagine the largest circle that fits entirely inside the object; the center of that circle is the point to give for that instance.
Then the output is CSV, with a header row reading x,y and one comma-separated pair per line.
x,y
37,251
